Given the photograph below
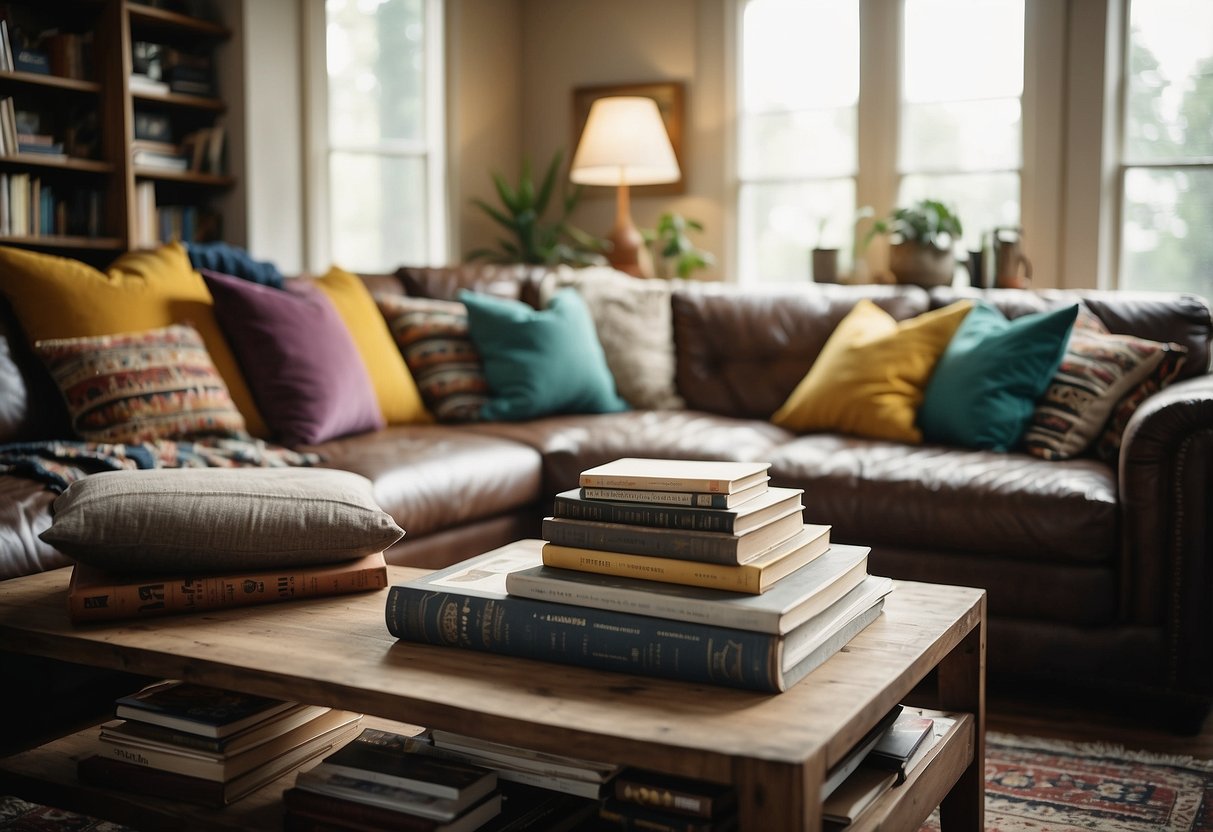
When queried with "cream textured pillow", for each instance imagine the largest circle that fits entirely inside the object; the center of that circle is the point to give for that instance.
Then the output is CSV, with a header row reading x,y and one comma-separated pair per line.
x,y
636,330
219,518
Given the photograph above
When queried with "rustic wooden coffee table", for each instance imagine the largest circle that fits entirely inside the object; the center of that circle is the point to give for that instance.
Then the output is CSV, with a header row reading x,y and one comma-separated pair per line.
x,y
776,749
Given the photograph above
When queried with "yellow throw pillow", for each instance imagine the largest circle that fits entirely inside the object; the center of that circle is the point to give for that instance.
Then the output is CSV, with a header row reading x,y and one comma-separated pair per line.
x,y
870,376
55,297
398,396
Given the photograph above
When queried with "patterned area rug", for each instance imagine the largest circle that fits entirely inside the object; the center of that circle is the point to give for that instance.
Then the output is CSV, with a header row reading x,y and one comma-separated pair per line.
x,y
1036,785
17,815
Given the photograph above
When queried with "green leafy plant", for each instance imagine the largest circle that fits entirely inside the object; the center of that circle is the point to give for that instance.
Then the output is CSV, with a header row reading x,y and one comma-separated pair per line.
x,y
534,239
927,221
673,248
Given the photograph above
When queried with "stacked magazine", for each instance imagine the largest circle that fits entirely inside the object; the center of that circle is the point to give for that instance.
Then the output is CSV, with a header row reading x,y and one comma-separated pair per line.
x,y
691,570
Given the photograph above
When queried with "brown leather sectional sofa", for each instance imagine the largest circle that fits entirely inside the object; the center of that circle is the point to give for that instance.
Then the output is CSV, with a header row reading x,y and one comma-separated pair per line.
x,y
1095,574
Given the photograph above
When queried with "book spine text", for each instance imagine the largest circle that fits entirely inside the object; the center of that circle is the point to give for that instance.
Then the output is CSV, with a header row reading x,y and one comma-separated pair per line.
x,y
669,498
637,540
664,517
587,637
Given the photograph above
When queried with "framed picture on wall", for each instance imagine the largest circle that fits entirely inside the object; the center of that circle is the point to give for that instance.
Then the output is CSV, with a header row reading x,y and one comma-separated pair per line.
x,y
671,102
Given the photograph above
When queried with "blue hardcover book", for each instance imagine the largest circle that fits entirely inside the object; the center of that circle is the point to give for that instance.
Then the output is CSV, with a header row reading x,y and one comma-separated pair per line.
x,y
467,606
195,709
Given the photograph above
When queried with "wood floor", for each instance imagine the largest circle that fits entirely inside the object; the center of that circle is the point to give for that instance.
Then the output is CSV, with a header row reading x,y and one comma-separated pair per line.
x,y
1039,718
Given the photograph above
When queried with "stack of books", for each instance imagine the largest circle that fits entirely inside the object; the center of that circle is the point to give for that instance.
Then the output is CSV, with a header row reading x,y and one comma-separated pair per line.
x,y
205,745
647,800
383,780
742,593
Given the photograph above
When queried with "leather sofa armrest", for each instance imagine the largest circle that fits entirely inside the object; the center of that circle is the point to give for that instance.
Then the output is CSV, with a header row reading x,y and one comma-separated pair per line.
x,y
1166,494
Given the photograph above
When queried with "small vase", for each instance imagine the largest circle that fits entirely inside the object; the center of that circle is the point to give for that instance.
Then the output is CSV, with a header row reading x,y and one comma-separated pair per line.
x,y
922,265
825,265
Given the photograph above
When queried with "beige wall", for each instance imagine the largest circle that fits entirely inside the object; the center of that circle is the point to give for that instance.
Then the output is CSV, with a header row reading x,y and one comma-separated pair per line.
x,y
571,43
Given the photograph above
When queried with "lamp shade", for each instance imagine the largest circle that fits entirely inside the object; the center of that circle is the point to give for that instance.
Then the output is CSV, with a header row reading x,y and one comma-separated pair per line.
x,y
624,143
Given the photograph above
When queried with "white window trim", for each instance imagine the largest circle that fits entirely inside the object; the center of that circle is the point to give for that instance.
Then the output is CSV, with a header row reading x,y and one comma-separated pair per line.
x,y
1042,203
317,147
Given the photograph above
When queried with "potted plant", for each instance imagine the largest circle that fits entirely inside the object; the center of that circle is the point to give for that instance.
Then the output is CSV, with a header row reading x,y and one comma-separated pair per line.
x,y
922,236
534,240
675,252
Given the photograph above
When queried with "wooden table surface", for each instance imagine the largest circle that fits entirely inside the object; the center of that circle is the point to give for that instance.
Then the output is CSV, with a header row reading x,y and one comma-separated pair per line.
x,y
337,651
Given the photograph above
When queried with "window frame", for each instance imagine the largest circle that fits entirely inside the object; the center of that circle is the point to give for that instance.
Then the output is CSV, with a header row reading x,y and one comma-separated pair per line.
x,y
318,147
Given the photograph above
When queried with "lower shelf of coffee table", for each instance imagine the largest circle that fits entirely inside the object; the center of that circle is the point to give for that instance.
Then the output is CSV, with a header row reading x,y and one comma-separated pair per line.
x,y
48,775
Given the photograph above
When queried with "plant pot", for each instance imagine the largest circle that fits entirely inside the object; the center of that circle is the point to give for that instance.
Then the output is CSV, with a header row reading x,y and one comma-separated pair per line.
x,y
922,265
825,265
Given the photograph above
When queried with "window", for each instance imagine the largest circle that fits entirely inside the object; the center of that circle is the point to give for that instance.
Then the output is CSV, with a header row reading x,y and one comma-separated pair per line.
x,y
380,201
1167,148
816,143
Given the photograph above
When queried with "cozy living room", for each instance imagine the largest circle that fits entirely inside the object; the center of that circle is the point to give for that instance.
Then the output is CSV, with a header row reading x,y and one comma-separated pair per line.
x,y
555,414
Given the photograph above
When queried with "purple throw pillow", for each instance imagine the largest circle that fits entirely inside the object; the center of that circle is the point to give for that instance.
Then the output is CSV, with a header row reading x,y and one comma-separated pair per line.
x,y
298,358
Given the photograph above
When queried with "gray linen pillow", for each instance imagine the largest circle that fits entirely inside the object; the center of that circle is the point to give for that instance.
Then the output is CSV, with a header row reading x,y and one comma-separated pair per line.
x,y
219,518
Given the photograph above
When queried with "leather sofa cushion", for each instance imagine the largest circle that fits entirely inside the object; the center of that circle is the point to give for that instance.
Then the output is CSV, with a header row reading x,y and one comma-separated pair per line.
x,y
513,282
1079,594
570,444
742,352
938,498
434,477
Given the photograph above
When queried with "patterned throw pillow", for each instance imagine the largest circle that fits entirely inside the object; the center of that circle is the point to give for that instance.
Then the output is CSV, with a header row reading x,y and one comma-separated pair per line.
x,y
1098,371
433,338
138,387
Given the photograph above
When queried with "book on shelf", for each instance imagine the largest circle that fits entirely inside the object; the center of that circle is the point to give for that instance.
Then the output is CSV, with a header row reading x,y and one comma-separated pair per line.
x,y
467,606
405,763
753,576
197,709
681,795
369,793
805,593
70,53
6,47
134,732
904,766
859,791
140,83
701,499
101,771
710,547
495,754
710,476
323,813
898,744
852,760
753,513
222,767
96,595
160,161
624,815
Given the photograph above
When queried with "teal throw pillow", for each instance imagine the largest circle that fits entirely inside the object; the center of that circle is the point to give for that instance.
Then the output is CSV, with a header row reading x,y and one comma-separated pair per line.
x,y
540,362
984,389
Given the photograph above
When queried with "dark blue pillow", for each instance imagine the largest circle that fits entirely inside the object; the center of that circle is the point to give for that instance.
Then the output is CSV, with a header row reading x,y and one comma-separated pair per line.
x,y
228,259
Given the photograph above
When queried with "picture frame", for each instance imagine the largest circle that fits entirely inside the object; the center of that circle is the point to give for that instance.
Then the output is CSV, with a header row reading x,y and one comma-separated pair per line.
x,y
671,103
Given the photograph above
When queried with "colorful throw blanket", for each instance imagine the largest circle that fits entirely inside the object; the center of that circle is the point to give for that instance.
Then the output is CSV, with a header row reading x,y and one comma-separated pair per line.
x,y
58,464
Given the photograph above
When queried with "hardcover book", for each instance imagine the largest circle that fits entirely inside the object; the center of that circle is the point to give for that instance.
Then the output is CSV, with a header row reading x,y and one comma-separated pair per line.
x,y
143,780
196,709
223,767
495,754
321,784
710,476
680,795
467,606
789,603
773,503
158,736
368,758
710,547
623,815
96,595
754,576
702,499
308,811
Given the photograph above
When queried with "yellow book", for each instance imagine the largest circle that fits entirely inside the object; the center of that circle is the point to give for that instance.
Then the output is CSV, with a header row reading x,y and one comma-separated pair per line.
x,y
754,576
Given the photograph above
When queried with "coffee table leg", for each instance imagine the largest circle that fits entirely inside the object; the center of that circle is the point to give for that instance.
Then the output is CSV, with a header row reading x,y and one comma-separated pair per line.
x,y
775,797
962,687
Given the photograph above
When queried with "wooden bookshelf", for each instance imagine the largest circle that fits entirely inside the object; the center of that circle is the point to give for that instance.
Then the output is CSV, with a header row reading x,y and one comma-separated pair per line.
x,y
101,106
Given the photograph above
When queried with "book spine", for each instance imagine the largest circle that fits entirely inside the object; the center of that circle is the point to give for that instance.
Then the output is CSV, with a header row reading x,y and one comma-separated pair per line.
x,y
185,594
164,761
664,797
587,637
742,578
659,605
710,486
623,816
663,517
669,498
638,540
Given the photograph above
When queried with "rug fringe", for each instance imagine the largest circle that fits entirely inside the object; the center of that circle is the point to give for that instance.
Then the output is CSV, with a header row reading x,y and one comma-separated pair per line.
x,y
1099,749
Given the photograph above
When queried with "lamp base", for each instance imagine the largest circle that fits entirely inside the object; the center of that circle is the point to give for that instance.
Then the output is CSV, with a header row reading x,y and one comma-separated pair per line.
x,y
628,253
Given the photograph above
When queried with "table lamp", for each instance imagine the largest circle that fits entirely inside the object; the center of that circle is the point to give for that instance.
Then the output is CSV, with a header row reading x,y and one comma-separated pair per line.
x,y
625,143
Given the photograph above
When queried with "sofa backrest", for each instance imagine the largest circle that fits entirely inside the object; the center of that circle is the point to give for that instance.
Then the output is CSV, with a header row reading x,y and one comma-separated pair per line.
x,y
515,282
1156,316
741,351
